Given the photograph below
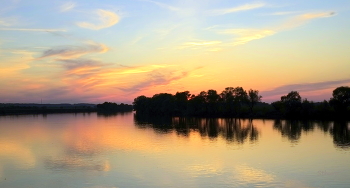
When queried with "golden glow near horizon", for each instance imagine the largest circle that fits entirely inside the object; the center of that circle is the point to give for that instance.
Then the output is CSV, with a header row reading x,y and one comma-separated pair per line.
x,y
75,51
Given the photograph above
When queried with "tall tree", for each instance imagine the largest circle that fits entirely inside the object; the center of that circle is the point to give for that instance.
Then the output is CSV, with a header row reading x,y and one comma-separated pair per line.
x,y
253,98
181,99
292,103
341,99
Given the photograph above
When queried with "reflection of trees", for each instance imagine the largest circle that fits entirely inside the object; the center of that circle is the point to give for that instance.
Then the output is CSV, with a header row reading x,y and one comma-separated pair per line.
x,y
340,130
233,130
161,124
293,129
341,134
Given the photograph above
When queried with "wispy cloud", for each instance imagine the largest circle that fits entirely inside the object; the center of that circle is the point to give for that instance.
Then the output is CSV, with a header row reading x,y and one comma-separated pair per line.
x,y
14,61
75,64
246,35
245,7
8,21
66,52
166,31
305,87
157,77
199,44
136,40
163,5
304,18
67,6
83,75
33,30
142,69
284,13
105,19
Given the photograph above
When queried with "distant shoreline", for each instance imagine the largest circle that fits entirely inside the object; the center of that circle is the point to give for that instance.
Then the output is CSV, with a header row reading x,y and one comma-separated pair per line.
x,y
32,108
44,111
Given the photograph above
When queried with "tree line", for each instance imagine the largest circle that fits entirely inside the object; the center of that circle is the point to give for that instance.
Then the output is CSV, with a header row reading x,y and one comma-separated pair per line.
x,y
113,107
237,102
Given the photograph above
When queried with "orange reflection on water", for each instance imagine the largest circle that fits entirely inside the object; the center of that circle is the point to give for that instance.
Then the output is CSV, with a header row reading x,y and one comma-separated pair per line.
x,y
97,136
17,153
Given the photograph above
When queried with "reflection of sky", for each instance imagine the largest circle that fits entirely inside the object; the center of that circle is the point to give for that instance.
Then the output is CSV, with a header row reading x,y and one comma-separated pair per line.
x,y
87,151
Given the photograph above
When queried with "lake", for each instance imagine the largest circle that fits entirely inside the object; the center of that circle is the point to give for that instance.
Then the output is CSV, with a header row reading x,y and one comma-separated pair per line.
x,y
125,150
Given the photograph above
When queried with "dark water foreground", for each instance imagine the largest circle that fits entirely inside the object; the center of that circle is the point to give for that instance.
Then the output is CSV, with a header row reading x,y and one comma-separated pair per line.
x,y
124,150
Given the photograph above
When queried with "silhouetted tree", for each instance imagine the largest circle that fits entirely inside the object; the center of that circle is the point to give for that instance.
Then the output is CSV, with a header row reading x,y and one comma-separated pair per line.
x,y
234,98
253,98
162,104
197,104
228,100
341,100
108,107
141,104
323,110
212,99
181,99
292,103
307,109
279,107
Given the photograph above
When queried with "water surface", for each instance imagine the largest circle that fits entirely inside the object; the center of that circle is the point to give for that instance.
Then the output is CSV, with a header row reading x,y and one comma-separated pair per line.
x,y
123,150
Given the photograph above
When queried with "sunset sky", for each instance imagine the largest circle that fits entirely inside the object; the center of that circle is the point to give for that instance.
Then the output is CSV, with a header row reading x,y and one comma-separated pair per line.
x,y
96,51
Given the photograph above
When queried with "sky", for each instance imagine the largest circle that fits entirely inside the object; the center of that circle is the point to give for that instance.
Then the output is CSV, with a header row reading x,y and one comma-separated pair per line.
x,y
96,51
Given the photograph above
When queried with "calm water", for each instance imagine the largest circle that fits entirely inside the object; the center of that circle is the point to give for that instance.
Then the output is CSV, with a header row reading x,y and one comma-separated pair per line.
x,y
95,151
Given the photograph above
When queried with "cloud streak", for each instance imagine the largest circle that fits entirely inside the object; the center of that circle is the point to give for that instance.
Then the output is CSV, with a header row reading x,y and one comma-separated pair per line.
x,y
303,18
283,13
200,44
85,76
246,35
14,62
245,7
82,67
9,21
158,77
155,78
105,19
67,6
66,52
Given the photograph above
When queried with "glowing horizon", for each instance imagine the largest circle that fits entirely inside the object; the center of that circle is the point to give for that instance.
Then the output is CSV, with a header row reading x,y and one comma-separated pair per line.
x,y
78,51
